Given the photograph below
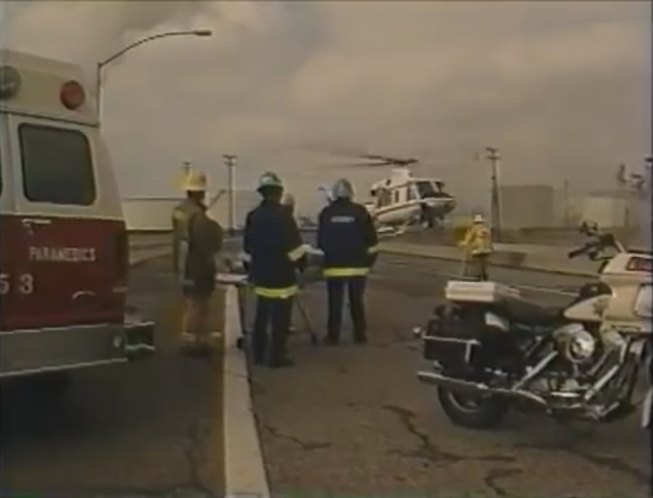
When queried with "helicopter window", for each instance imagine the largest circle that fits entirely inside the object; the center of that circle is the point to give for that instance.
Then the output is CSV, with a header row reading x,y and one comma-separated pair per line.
x,y
384,197
411,194
396,196
426,189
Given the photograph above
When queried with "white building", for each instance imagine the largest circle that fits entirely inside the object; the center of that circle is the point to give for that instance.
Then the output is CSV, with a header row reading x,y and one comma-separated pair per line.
x,y
154,214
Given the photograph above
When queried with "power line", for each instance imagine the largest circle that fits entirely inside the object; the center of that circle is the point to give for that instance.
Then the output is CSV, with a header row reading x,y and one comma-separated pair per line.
x,y
230,162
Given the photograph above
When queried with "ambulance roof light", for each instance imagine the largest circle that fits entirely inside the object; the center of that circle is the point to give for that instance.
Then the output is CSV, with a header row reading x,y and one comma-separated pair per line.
x,y
10,82
72,95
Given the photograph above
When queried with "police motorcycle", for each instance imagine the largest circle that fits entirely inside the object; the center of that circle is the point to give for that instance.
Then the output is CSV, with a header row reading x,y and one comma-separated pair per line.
x,y
491,350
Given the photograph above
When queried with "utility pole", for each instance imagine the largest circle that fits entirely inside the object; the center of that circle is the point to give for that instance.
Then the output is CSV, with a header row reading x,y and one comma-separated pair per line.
x,y
186,168
230,162
495,204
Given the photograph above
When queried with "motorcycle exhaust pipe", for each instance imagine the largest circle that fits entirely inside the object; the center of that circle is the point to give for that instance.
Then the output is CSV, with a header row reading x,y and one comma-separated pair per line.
x,y
477,388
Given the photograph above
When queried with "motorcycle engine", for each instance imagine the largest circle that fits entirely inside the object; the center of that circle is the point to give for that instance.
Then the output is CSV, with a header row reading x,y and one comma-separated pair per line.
x,y
576,344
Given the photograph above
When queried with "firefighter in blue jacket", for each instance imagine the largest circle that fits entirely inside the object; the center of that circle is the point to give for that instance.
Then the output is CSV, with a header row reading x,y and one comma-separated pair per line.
x,y
274,250
347,236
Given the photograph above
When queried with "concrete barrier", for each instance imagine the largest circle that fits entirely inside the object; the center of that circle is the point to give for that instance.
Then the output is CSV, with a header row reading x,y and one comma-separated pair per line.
x,y
501,258
508,258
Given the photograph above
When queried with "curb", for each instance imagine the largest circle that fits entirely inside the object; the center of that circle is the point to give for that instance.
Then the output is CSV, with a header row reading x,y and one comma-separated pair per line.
x,y
245,473
522,265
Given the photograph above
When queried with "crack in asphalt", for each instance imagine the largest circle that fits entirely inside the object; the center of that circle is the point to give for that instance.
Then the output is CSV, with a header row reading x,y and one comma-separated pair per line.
x,y
495,474
304,445
612,463
431,452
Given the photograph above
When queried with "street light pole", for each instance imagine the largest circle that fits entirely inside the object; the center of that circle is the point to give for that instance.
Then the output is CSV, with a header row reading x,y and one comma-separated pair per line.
x,y
230,162
495,204
100,65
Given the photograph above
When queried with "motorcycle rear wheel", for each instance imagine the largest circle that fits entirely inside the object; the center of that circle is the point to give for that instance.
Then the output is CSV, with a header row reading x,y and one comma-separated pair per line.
x,y
470,411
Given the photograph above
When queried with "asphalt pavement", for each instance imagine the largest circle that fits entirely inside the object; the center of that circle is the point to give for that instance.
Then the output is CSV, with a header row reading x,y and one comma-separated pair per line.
x,y
146,429
354,421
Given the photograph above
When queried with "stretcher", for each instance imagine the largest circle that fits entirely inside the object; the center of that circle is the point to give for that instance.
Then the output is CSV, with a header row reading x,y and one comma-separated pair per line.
x,y
243,287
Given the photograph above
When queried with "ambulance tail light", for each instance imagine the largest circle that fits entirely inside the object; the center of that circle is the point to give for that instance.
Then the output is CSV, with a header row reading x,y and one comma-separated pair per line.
x,y
72,95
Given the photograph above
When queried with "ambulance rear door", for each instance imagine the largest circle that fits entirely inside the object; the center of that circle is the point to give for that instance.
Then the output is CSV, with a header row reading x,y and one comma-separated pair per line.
x,y
6,211
68,236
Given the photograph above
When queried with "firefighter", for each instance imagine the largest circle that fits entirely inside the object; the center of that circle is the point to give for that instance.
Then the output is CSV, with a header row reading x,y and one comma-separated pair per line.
x,y
274,252
477,244
347,236
197,239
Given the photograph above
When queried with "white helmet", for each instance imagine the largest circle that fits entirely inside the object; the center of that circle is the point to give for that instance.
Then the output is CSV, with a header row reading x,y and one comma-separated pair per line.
x,y
342,189
195,181
478,218
269,180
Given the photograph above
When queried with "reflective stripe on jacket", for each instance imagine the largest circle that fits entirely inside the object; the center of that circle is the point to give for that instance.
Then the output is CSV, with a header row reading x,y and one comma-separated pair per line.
x,y
347,236
284,293
274,249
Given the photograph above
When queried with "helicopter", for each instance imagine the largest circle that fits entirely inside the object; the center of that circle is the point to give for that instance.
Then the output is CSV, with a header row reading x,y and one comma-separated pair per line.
x,y
401,199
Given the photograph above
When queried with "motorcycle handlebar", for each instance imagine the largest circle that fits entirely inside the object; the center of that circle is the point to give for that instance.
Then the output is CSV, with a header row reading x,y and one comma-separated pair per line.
x,y
594,247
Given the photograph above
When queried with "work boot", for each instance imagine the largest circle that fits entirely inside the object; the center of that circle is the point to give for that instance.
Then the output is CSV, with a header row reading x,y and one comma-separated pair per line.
x,y
215,340
200,348
187,342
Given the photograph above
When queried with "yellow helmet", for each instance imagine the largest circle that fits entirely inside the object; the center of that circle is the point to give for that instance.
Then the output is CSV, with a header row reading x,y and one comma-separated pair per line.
x,y
195,181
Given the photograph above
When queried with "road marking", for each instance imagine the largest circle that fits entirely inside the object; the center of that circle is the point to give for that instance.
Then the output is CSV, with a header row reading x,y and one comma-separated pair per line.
x,y
244,466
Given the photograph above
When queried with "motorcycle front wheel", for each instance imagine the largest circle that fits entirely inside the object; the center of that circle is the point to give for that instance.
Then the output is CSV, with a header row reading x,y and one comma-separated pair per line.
x,y
472,412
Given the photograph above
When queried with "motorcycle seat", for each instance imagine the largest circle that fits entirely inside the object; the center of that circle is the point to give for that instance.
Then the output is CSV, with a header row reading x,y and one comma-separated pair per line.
x,y
528,313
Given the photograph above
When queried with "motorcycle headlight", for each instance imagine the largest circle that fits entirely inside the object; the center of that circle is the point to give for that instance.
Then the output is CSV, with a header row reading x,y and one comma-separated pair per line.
x,y
582,345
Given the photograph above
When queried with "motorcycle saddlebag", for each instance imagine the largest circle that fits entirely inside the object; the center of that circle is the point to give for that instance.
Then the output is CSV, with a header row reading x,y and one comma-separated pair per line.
x,y
444,342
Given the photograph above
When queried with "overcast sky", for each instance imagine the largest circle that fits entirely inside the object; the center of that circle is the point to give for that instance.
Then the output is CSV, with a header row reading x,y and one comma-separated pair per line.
x,y
562,88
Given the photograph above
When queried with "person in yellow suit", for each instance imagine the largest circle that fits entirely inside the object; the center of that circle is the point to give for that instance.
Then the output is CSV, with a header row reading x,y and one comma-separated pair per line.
x,y
477,244
197,239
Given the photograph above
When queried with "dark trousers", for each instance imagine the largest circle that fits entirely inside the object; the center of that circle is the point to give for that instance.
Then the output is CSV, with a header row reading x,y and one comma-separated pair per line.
x,y
274,314
336,294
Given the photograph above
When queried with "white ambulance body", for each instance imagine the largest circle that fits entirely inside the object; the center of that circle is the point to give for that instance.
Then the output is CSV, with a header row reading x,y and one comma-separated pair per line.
x,y
63,243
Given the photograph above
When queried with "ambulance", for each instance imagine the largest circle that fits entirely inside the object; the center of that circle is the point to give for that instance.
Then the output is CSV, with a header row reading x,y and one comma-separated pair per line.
x,y
63,243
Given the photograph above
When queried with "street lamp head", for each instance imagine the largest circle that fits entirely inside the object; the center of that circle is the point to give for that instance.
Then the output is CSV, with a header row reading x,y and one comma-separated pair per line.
x,y
202,32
